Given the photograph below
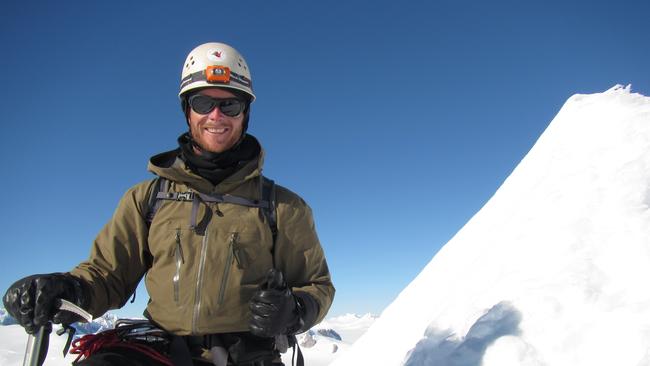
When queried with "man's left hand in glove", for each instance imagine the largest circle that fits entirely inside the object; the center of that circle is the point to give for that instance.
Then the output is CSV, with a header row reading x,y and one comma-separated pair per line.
x,y
276,310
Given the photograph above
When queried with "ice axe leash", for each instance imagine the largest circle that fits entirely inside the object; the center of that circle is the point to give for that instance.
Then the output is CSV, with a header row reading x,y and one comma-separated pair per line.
x,y
38,343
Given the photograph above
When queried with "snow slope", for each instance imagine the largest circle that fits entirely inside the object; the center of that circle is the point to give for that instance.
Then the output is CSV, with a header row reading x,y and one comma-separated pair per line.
x,y
553,270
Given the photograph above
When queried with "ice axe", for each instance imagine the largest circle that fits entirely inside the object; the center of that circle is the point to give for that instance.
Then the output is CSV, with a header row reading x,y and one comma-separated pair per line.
x,y
38,343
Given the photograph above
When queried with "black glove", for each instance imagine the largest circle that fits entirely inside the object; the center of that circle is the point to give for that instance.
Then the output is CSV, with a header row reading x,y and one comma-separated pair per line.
x,y
33,300
274,308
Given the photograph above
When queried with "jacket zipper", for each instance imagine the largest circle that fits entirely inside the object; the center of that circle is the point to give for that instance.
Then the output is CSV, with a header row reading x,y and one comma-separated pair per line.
x,y
199,282
226,270
179,261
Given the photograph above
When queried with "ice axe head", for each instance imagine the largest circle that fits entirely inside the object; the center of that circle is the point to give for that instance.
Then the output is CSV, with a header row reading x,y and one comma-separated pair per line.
x,y
274,280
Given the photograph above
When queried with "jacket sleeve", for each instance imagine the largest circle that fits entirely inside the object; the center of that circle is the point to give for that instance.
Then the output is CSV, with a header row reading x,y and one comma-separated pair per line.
x,y
119,256
298,252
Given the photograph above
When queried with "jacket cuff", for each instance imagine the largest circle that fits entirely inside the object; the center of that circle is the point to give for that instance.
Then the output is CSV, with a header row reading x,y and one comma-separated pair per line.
x,y
308,310
81,291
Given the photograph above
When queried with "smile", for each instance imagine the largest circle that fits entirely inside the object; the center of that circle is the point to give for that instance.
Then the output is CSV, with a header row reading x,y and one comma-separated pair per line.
x,y
216,130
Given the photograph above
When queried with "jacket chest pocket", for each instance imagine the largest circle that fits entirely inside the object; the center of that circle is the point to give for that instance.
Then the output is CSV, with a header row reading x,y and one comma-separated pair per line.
x,y
252,257
174,266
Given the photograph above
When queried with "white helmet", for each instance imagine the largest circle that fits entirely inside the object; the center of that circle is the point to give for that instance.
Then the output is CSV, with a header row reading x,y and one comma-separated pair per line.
x,y
215,65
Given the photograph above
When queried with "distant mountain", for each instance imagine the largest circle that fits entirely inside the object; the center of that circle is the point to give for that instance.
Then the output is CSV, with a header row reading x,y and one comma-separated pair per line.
x,y
325,342
349,326
6,319
331,333
106,321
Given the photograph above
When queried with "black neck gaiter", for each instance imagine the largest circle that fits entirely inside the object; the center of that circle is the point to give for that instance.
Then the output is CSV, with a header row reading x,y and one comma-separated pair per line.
x,y
218,166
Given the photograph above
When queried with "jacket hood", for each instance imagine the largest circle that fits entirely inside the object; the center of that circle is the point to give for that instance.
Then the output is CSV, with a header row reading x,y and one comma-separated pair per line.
x,y
169,165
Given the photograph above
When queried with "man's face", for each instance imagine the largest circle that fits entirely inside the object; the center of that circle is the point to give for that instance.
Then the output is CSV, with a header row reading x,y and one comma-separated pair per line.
x,y
215,132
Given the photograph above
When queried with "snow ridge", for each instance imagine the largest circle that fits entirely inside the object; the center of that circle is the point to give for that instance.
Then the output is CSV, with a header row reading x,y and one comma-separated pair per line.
x,y
556,259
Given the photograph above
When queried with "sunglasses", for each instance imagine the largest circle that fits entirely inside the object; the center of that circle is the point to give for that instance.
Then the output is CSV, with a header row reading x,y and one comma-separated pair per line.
x,y
203,104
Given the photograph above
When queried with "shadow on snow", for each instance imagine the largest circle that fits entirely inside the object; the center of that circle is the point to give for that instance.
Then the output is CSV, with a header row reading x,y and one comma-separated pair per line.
x,y
441,348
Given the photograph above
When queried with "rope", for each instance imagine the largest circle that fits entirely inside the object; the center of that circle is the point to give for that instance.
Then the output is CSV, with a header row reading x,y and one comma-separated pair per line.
x,y
89,344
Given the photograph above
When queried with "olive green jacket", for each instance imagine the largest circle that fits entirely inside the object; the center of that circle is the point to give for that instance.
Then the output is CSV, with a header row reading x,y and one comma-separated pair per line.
x,y
201,283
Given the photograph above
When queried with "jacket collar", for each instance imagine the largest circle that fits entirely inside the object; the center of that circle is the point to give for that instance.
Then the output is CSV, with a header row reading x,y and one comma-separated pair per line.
x,y
169,165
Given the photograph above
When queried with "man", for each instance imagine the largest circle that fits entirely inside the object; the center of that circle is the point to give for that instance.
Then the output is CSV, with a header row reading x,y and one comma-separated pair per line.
x,y
229,270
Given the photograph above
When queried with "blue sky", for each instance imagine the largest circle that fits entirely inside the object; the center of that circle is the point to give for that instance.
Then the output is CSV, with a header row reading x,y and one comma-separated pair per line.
x,y
396,121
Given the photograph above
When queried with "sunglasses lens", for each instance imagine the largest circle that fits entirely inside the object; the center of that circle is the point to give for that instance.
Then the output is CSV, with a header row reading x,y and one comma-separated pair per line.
x,y
202,104
231,107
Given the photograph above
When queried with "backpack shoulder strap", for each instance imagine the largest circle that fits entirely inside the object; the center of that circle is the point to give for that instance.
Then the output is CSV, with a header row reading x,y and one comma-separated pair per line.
x,y
268,195
160,184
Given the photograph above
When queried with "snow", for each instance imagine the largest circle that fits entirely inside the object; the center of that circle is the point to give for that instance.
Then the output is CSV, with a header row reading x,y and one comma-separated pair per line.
x,y
553,269
14,341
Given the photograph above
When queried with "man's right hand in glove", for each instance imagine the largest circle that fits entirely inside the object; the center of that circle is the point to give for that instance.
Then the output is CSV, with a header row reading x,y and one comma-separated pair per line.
x,y
33,301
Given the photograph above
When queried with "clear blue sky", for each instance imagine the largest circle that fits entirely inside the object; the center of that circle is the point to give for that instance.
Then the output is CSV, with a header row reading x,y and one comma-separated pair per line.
x,y
395,120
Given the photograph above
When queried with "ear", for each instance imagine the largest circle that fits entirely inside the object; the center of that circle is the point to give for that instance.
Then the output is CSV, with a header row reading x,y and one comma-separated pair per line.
x,y
185,107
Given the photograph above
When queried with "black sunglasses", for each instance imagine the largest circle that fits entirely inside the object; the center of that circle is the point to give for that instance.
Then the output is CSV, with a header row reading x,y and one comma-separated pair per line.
x,y
203,104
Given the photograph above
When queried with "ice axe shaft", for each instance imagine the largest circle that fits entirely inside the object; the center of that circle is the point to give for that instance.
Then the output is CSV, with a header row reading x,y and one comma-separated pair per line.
x,y
38,343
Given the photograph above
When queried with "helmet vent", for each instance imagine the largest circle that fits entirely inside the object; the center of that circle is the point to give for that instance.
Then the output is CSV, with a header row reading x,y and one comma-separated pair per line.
x,y
189,63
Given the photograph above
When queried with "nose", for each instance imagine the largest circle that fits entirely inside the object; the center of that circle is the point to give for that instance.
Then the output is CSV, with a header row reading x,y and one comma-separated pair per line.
x,y
215,114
